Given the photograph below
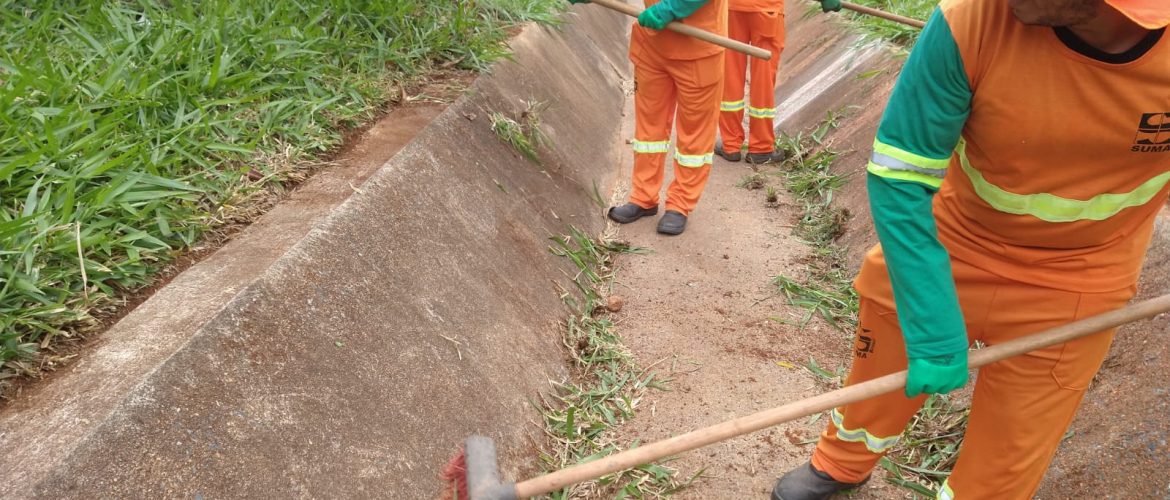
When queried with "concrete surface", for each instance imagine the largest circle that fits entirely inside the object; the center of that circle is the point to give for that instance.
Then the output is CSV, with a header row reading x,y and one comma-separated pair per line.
x,y
345,344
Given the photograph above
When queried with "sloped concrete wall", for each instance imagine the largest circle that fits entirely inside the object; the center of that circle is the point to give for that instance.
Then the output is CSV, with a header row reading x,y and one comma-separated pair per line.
x,y
347,343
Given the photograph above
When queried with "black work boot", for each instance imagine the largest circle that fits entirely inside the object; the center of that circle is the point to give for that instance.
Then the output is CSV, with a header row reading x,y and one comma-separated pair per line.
x,y
732,157
808,483
630,212
774,156
672,223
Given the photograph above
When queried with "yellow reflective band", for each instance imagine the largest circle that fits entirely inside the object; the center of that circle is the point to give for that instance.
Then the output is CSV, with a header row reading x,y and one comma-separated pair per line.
x,y
873,443
651,147
945,492
731,105
903,175
891,163
694,161
1051,208
762,112
911,158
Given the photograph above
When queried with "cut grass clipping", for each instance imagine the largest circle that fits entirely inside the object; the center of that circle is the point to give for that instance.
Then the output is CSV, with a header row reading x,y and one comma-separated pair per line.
x,y
827,292
523,135
923,458
606,388
129,129
929,447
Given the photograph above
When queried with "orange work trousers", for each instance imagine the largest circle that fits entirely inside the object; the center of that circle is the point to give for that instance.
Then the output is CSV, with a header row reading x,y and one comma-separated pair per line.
x,y
663,87
764,30
1022,406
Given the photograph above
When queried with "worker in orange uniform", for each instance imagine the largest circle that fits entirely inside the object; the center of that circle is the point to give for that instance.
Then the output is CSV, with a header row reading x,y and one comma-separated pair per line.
x,y
1014,183
676,78
759,23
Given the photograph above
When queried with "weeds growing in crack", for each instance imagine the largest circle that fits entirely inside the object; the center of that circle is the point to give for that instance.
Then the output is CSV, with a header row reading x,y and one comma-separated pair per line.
x,y
607,387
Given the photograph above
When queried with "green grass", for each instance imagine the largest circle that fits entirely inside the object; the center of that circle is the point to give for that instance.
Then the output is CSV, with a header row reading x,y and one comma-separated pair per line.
x,y
129,129
873,27
895,32
607,387
771,197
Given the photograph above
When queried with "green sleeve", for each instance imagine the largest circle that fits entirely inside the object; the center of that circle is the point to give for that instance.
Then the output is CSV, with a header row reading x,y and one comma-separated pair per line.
x,y
918,132
680,9
919,267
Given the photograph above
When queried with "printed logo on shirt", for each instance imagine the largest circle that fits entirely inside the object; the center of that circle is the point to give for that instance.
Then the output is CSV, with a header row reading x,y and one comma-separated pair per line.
x,y
1153,135
865,344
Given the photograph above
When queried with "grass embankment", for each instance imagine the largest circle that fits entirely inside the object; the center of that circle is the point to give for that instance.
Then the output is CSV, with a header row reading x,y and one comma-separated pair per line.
x,y
130,130
898,33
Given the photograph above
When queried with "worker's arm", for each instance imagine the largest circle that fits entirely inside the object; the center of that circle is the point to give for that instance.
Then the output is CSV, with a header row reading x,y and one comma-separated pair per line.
x,y
918,132
662,13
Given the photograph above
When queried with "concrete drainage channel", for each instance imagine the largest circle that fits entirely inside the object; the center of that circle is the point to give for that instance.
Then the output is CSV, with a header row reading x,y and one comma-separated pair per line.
x,y
346,343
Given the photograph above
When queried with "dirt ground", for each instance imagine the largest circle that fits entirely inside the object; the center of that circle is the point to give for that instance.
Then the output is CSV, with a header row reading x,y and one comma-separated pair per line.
x,y
702,310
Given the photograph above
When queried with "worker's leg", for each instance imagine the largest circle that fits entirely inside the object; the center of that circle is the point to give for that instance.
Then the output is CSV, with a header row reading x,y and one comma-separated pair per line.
x,y
654,106
734,74
859,434
1024,405
767,33
700,86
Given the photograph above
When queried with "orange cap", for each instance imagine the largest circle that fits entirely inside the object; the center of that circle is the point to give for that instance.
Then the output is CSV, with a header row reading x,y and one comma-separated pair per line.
x,y
1150,14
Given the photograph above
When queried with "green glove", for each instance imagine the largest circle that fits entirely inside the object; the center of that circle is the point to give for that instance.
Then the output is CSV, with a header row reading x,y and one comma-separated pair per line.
x,y
656,17
828,5
937,375
578,1
662,13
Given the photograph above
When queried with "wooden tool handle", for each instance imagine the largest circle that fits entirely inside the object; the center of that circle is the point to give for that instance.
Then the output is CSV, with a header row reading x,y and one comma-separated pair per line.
x,y
690,31
829,400
883,14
